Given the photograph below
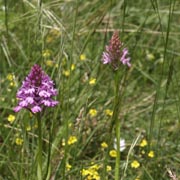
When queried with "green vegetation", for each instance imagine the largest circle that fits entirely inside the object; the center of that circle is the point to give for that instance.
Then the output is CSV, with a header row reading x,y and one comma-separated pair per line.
x,y
67,39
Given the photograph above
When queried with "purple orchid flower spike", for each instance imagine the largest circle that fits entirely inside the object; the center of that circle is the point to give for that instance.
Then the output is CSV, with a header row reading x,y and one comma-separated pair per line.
x,y
36,91
115,52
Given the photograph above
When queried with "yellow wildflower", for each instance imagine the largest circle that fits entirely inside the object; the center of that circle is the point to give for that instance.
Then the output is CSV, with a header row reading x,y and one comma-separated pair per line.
x,y
49,39
63,142
82,57
95,167
108,112
10,77
104,145
28,128
92,172
142,152
113,153
53,35
66,73
95,176
135,164
19,141
92,81
68,167
72,67
36,125
85,172
70,125
49,63
93,112
72,140
143,143
11,118
2,99
151,154
46,53
150,56
12,83
108,168
55,32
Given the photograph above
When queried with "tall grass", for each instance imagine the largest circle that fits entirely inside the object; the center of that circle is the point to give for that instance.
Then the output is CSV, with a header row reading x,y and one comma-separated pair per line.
x,y
67,39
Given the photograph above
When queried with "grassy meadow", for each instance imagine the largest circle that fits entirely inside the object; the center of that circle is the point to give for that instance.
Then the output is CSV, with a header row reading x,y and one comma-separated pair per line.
x,y
67,39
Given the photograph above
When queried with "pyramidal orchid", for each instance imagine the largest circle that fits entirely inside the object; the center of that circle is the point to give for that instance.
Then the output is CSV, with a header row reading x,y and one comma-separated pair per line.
x,y
115,52
36,91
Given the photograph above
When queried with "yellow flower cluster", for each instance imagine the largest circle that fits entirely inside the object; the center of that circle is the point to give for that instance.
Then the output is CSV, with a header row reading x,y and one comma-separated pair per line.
x,y
135,164
68,167
53,35
91,173
143,144
71,140
46,53
68,72
11,78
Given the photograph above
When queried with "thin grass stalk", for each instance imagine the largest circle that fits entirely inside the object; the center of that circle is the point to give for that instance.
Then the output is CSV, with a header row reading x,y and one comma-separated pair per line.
x,y
6,18
67,115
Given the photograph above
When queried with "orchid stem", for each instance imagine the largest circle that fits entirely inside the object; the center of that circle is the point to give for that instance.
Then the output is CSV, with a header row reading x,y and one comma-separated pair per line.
x,y
39,157
116,122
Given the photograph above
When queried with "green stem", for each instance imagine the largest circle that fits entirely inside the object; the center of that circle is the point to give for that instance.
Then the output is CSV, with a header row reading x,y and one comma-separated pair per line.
x,y
116,122
117,166
39,155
